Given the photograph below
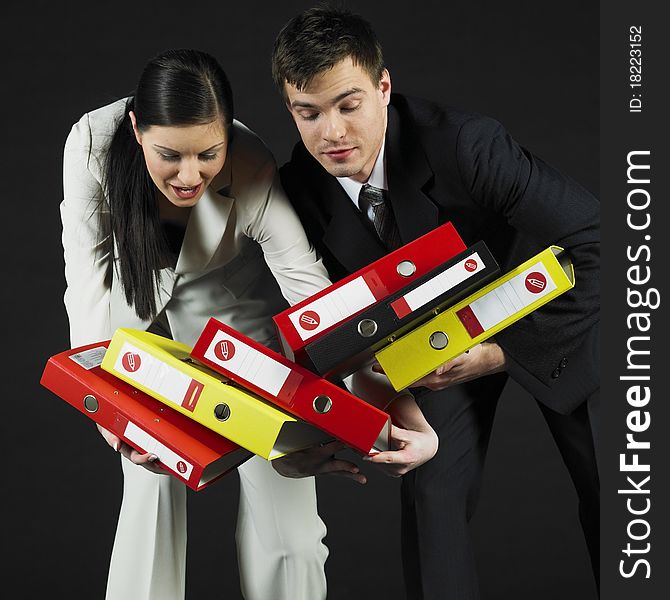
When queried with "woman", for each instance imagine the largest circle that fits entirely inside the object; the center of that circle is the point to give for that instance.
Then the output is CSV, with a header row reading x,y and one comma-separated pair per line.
x,y
172,214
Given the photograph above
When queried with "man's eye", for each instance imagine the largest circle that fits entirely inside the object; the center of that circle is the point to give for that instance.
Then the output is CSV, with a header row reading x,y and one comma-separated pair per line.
x,y
348,109
309,116
169,157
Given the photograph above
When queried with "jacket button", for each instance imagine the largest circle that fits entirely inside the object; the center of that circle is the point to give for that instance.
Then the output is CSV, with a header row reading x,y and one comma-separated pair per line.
x,y
556,373
563,363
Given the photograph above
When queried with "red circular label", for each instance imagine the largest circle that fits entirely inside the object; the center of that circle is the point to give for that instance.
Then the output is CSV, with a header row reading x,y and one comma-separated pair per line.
x,y
471,265
181,466
131,362
536,282
224,350
309,320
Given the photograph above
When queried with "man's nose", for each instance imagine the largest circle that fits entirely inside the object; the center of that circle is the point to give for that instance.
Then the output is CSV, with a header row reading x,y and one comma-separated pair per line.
x,y
335,128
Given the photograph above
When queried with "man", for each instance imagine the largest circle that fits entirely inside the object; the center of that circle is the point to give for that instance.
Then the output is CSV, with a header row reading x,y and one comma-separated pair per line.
x,y
419,165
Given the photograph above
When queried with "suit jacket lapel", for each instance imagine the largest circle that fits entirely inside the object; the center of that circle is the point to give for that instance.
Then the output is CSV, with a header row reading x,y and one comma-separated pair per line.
x,y
346,236
408,173
206,225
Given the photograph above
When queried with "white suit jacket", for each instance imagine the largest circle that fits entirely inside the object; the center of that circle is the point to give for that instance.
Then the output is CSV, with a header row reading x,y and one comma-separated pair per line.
x,y
234,233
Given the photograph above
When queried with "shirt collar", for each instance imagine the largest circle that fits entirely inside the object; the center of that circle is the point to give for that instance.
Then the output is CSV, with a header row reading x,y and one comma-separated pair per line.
x,y
377,178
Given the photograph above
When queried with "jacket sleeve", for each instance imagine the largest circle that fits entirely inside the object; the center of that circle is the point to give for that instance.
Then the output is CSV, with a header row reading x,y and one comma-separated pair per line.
x,y
85,220
547,208
273,223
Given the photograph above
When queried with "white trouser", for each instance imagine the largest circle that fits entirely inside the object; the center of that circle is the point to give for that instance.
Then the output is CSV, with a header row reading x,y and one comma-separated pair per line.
x,y
279,537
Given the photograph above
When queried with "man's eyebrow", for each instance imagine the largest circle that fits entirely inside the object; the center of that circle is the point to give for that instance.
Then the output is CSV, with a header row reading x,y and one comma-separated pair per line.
x,y
201,152
338,98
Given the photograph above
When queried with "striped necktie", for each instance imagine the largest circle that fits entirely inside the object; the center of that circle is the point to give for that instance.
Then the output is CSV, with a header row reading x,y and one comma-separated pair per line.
x,y
374,204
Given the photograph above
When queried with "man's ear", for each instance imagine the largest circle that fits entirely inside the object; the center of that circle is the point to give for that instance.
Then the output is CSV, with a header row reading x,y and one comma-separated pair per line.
x,y
136,131
385,86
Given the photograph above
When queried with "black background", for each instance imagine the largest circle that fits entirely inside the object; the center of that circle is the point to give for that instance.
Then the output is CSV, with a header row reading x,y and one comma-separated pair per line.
x,y
532,65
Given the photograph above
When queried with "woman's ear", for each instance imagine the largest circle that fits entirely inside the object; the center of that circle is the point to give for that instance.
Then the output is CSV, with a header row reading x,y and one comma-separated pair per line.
x,y
136,131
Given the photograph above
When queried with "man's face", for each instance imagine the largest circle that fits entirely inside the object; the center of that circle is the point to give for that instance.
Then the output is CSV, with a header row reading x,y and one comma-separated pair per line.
x,y
341,117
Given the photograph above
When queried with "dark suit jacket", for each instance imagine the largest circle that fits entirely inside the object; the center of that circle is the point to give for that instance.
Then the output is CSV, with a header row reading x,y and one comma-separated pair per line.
x,y
445,165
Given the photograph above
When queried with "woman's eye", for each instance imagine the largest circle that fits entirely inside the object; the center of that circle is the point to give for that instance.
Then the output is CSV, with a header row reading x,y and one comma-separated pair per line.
x,y
169,157
208,156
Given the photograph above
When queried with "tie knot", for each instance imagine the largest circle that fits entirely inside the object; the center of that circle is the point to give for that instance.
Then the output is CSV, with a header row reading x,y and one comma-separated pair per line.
x,y
370,196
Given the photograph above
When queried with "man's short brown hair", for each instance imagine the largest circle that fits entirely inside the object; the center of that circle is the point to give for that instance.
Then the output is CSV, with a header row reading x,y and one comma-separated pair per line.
x,y
319,38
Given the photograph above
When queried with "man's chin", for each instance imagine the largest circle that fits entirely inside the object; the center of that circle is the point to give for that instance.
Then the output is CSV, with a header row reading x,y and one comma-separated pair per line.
x,y
340,169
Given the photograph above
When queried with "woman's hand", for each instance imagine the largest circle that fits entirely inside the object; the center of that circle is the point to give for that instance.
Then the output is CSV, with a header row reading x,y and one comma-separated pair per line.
x,y
145,460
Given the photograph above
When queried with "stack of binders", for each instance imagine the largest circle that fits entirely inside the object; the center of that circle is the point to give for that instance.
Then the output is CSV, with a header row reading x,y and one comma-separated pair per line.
x,y
352,344
478,317
339,330
187,450
306,322
205,410
165,370
293,388
412,328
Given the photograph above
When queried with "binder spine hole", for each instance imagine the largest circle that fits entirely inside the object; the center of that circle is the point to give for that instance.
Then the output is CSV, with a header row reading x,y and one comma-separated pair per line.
x,y
91,403
439,340
406,268
222,412
322,404
367,327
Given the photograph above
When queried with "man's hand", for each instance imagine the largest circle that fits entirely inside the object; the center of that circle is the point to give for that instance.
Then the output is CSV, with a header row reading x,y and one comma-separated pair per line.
x,y
144,460
483,359
318,460
411,450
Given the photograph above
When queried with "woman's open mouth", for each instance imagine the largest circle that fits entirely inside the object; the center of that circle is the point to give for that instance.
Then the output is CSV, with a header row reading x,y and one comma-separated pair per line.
x,y
186,193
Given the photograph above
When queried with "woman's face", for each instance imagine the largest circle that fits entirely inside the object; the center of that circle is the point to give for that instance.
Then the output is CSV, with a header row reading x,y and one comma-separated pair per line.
x,y
182,161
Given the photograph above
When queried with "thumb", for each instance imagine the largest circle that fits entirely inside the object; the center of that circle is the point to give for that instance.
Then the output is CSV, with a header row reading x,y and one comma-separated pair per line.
x,y
446,367
113,440
398,434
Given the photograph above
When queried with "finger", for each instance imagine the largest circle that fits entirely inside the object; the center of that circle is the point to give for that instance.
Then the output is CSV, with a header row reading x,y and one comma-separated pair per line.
x,y
377,368
449,365
147,461
392,470
136,457
338,465
435,383
398,434
113,440
357,477
332,447
390,457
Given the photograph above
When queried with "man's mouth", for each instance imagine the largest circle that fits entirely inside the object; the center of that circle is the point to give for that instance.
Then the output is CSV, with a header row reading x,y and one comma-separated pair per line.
x,y
339,153
186,193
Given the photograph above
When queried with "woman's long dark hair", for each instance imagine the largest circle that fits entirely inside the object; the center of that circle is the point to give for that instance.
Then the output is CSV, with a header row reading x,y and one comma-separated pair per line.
x,y
177,87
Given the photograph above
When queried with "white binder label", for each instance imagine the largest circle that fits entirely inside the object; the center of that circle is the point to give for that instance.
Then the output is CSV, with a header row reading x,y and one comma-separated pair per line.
x,y
150,444
332,308
444,281
513,296
153,373
247,362
90,358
